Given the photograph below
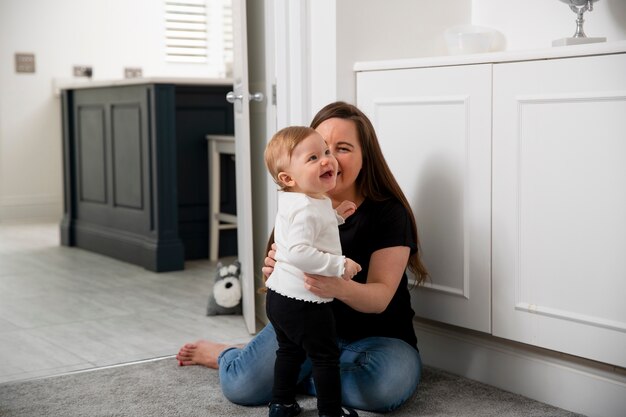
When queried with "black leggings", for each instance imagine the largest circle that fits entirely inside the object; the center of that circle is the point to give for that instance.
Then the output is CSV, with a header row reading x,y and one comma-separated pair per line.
x,y
305,328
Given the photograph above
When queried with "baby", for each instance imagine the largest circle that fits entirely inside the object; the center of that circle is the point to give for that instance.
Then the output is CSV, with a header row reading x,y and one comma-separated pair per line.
x,y
307,238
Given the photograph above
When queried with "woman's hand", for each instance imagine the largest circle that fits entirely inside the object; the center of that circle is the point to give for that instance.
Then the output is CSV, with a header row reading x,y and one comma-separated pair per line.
x,y
324,286
269,262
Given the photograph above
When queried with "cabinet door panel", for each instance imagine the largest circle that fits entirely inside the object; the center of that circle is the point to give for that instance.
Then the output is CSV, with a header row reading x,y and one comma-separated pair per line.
x,y
434,127
559,205
113,154
128,156
91,150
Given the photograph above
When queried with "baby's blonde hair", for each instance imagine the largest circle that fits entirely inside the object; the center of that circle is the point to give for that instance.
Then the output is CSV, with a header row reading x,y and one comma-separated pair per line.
x,y
279,149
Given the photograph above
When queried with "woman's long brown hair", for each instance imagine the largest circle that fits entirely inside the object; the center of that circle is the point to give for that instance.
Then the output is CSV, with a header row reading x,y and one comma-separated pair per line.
x,y
375,181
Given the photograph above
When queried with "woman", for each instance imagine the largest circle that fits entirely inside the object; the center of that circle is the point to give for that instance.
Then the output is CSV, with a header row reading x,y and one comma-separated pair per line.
x,y
380,363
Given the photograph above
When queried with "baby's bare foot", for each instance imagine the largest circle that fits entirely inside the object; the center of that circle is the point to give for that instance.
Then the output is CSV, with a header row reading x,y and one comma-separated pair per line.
x,y
202,352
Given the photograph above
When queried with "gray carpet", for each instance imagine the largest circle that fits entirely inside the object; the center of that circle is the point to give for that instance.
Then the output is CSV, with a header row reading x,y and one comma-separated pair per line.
x,y
162,388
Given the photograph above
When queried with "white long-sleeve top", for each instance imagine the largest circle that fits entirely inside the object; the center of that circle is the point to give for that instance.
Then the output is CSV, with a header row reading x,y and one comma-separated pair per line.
x,y
307,240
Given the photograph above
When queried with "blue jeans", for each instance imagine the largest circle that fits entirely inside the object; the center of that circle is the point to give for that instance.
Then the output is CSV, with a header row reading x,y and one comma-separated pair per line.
x,y
377,373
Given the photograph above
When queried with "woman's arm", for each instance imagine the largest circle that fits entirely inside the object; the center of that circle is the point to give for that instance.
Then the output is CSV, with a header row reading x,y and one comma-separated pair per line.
x,y
385,272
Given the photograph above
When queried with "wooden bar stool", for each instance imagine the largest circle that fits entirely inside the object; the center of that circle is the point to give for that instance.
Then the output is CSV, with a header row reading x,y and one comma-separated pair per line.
x,y
218,221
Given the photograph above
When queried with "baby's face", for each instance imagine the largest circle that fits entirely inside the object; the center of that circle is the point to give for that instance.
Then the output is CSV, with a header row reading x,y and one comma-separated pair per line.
x,y
312,168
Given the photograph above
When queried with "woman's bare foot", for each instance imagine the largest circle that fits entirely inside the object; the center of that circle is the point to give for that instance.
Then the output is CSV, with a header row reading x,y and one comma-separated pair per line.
x,y
202,352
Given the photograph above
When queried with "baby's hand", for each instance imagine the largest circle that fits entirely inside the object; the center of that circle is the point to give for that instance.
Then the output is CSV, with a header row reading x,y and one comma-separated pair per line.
x,y
351,269
346,209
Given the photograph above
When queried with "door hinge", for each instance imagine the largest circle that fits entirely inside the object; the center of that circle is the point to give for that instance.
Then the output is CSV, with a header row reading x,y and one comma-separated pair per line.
x,y
274,94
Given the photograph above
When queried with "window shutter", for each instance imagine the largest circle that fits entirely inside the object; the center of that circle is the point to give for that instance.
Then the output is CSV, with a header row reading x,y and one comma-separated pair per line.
x,y
186,31
200,31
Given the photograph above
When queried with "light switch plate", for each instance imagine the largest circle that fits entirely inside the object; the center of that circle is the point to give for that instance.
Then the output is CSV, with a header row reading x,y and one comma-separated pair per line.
x,y
83,71
133,72
24,62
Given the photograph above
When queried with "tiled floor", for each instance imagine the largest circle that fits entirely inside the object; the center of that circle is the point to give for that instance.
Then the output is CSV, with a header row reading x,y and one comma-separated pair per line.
x,y
65,309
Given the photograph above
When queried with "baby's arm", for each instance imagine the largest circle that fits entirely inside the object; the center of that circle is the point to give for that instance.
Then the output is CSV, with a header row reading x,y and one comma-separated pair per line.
x,y
301,247
345,209
352,268
302,251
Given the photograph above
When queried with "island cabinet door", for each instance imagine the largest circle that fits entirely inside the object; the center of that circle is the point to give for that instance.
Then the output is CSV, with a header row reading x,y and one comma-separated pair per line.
x,y
434,126
112,159
559,205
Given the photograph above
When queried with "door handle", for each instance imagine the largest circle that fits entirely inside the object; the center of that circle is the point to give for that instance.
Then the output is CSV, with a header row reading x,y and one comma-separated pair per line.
x,y
256,96
231,97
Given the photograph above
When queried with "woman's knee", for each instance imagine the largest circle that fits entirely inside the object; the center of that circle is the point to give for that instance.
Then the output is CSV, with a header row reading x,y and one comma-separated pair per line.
x,y
247,375
248,394
246,385
379,374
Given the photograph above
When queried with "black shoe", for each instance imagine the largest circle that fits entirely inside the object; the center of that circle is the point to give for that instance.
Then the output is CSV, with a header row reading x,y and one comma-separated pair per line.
x,y
345,412
281,410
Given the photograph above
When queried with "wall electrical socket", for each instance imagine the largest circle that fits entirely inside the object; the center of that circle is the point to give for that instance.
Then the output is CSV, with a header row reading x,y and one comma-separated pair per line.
x,y
83,71
24,63
133,72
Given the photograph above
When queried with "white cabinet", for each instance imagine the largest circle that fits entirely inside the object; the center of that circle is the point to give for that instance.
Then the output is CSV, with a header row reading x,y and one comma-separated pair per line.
x,y
434,127
515,166
559,205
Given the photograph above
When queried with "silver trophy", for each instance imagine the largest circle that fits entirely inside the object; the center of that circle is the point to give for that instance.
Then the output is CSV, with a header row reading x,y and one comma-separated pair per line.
x,y
579,7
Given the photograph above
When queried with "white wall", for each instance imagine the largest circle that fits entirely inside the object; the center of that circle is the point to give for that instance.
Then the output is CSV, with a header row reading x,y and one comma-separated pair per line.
x,y
108,35
369,30
392,29
534,24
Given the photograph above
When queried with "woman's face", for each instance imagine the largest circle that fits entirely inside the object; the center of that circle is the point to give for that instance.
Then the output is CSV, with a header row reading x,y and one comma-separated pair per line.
x,y
343,140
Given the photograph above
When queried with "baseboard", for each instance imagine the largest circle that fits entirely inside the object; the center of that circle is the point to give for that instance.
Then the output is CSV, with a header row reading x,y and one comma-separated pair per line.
x,y
34,207
574,384
150,251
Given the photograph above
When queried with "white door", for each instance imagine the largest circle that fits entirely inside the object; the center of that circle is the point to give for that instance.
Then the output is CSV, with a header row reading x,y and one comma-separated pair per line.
x,y
559,205
434,128
242,162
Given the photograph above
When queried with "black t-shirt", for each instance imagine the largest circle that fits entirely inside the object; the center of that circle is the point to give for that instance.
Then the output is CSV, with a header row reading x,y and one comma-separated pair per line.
x,y
377,225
